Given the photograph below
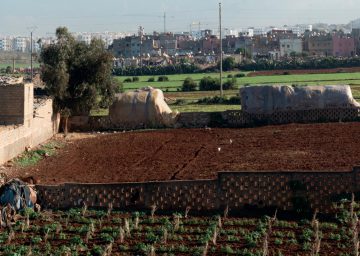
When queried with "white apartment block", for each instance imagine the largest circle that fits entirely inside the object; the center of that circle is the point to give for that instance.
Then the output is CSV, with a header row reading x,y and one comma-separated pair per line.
x,y
300,29
5,44
20,44
106,37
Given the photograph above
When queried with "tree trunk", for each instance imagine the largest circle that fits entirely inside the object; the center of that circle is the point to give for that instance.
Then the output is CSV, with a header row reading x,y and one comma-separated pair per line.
x,y
66,126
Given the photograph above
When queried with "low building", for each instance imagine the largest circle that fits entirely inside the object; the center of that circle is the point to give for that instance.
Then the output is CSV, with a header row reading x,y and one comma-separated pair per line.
x,y
168,43
343,46
355,33
289,46
135,46
321,45
210,45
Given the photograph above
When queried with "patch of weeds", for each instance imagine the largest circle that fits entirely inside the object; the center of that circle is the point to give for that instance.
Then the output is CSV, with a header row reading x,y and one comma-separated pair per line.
x,y
97,250
32,157
336,237
105,237
227,250
36,240
278,241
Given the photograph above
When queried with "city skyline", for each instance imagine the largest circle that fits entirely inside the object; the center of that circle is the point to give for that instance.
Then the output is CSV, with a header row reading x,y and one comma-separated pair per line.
x,y
125,16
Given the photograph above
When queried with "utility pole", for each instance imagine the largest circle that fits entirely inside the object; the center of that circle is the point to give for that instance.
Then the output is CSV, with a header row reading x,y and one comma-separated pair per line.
x,y
221,53
32,29
13,65
164,22
141,29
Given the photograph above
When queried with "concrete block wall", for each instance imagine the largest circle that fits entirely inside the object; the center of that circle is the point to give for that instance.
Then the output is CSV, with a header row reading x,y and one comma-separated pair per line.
x,y
279,189
240,118
12,104
238,190
231,118
20,125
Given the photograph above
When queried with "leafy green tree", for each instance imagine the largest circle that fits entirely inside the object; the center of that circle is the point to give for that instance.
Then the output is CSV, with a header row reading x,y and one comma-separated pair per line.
x,y
77,75
209,83
229,64
189,85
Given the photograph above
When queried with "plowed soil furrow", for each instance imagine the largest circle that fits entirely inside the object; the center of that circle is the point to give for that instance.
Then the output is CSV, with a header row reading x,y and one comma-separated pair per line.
x,y
166,154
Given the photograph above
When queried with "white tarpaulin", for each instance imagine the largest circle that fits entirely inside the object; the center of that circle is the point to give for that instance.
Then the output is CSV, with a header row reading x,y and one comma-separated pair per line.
x,y
268,99
145,106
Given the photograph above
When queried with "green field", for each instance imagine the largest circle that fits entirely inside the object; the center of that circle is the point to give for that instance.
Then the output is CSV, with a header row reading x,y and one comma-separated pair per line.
x,y
19,65
175,81
189,99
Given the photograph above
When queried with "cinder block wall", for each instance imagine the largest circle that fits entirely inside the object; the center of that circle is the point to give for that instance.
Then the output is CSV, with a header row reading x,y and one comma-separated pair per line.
x,y
12,104
23,127
237,190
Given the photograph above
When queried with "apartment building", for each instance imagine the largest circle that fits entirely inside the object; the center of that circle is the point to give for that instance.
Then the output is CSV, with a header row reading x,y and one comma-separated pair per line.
x,y
5,44
290,45
355,33
343,46
320,45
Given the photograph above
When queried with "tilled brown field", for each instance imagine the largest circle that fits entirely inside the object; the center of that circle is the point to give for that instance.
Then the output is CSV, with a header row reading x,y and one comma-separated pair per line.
x,y
200,153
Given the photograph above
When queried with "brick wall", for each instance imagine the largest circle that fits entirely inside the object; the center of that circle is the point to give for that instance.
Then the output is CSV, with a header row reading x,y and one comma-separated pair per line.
x,y
238,190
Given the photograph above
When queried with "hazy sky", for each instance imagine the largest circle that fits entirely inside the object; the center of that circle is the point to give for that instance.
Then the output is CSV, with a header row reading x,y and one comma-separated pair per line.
x,y
126,15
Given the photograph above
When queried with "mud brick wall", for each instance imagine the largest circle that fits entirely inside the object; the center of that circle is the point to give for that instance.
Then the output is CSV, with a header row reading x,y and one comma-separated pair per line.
x,y
238,190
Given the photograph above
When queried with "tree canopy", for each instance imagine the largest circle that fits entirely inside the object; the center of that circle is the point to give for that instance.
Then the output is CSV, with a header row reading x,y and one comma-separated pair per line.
x,y
77,75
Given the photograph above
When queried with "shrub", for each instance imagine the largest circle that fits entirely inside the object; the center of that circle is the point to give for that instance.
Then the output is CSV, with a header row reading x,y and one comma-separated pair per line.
x,y
135,79
8,70
229,84
180,102
240,75
151,79
119,86
184,68
230,76
128,80
209,84
163,79
234,100
189,85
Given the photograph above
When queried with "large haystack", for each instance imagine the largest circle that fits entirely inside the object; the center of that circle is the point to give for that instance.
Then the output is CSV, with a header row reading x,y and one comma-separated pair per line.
x,y
269,99
143,107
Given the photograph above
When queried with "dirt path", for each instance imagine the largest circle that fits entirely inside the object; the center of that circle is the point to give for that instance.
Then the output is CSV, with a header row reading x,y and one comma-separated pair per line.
x,y
200,153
